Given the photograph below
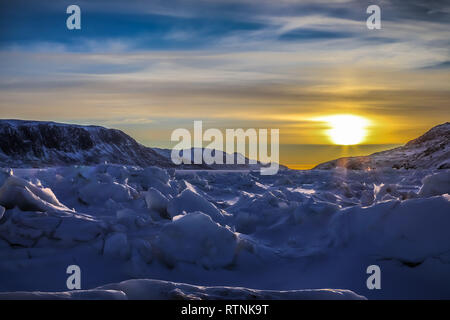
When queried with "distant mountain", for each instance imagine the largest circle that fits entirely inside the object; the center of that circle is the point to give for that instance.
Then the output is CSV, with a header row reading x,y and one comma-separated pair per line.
x,y
40,144
431,150
244,163
37,144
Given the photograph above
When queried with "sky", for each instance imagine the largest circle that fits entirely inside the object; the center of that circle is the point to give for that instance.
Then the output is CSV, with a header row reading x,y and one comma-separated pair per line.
x,y
149,67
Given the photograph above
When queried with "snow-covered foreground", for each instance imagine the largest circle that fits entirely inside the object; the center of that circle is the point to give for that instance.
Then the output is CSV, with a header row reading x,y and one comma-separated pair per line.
x,y
291,231
148,289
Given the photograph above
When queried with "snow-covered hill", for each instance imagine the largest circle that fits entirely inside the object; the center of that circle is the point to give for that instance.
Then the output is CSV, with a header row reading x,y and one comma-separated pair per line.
x,y
239,161
42,144
39,144
431,150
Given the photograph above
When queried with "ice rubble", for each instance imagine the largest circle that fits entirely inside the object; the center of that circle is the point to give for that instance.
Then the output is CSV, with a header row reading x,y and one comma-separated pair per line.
x,y
411,230
196,238
156,200
116,245
222,228
27,196
435,184
189,201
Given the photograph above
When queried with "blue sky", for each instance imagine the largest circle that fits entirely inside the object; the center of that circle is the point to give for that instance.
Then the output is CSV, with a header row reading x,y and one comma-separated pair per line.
x,y
151,66
181,25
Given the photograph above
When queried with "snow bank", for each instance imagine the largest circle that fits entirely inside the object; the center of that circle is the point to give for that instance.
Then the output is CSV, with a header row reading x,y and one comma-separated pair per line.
x,y
155,200
315,210
89,194
189,201
410,231
30,229
196,238
5,173
153,177
385,192
436,184
67,295
35,217
18,192
148,289
157,289
116,246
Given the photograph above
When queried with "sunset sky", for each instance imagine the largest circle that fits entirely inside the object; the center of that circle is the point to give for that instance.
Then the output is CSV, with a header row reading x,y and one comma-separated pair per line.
x,y
149,67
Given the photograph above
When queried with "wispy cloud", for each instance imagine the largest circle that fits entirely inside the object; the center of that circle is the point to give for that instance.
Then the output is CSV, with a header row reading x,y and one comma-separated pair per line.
x,y
139,63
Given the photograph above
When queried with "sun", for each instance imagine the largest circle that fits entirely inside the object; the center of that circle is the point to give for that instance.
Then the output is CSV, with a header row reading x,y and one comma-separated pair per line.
x,y
346,129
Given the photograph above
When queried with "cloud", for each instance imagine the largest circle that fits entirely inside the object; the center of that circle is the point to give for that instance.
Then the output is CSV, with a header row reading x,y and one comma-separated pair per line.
x,y
202,24
440,65
162,63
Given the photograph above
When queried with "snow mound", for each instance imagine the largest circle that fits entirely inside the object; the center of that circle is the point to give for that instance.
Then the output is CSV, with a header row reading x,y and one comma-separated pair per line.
x,y
75,229
435,184
155,200
110,190
34,217
189,201
148,289
18,192
196,238
116,245
92,294
408,231
36,229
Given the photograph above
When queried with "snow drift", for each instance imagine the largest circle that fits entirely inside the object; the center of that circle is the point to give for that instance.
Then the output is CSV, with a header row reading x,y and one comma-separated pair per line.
x,y
146,289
